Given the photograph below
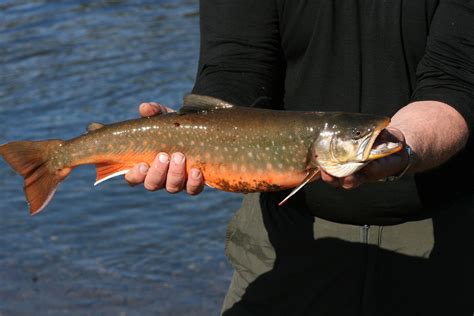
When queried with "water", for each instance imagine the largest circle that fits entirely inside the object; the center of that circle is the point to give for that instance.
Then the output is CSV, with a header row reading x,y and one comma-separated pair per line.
x,y
111,249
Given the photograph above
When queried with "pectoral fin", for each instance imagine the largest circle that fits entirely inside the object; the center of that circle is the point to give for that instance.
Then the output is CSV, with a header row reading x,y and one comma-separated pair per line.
x,y
312,175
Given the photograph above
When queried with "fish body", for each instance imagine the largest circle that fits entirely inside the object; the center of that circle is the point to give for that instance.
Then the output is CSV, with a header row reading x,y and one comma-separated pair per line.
x,y
237,149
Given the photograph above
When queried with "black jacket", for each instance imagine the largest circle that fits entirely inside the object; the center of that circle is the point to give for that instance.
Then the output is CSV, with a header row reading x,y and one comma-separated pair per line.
x,y
348,55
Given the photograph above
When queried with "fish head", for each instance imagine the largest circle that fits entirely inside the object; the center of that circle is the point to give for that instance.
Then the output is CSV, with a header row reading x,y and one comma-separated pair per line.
x,y
349,141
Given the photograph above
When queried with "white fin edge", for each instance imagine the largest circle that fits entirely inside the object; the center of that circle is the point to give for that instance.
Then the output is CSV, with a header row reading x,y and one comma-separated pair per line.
x,y
210,185
116,174
48,199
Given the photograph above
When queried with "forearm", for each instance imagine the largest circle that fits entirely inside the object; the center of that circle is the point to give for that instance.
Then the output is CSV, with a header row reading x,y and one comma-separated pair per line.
x,y
434,130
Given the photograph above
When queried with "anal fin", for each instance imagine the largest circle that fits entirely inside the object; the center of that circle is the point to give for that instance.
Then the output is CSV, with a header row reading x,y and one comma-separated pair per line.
x,y
312,175
105,171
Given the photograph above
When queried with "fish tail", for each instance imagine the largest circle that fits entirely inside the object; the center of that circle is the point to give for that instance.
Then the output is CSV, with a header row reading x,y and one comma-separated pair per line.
x,y
31,159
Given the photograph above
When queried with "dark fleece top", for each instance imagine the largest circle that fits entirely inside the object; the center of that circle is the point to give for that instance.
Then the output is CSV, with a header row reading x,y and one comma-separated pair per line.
x,y
369,56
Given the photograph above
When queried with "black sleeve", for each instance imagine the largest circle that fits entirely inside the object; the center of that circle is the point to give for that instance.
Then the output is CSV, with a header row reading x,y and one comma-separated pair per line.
x,y
446,72
240,55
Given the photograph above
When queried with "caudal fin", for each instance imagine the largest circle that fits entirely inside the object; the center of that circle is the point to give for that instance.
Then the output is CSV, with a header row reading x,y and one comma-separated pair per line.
x,y
31,160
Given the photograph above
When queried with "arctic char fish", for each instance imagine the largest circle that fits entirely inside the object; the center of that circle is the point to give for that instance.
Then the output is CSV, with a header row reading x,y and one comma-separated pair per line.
x,y
238,149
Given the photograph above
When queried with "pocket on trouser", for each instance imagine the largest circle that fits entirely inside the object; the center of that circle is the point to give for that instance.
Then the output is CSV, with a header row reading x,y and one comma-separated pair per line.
x,y
247,245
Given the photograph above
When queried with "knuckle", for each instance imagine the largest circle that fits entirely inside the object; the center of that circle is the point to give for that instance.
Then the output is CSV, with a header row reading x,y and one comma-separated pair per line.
x,y
131,179
173,189
194,190
176,173
158,174
150,187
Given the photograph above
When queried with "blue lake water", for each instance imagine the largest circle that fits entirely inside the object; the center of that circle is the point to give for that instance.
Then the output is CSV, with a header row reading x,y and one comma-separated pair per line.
x,y
111,249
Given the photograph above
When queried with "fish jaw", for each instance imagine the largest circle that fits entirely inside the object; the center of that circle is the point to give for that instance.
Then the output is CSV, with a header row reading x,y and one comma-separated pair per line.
x,y
372,146
365,150
381,146
384,150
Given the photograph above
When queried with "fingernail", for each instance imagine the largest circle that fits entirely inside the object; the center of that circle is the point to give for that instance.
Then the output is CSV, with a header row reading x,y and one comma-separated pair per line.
x,y
163,158
195,174
178,158
143,168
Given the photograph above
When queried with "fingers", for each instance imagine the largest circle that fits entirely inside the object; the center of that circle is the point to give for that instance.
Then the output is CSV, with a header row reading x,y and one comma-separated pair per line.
x,y
349,182
176,173
152,108
156,176
137,174
329,179
167,172
388,166
195,183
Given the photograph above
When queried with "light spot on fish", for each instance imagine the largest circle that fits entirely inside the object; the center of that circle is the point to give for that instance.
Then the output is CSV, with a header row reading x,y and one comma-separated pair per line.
x,y
269,166
250,154
243,168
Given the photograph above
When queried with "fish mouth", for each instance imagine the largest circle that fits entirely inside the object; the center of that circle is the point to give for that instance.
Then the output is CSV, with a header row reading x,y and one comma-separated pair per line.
x,y
380,144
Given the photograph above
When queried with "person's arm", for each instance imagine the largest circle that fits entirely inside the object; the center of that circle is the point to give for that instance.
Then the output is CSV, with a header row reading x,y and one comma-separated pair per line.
x,y
440,120
239,62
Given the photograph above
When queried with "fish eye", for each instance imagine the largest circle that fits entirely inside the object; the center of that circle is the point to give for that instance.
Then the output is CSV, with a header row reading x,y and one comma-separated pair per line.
x,y
356,133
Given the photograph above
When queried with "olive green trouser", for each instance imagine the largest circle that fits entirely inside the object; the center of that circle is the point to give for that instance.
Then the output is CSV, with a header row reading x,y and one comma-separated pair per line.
x,y
303,265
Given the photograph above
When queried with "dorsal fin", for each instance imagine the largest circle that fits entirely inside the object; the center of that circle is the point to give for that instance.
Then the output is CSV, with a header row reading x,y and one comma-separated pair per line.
x,y
198,103
94,126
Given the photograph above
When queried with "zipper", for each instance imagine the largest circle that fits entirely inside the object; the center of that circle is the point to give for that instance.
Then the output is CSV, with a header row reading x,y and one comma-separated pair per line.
x,y
364,238
365,234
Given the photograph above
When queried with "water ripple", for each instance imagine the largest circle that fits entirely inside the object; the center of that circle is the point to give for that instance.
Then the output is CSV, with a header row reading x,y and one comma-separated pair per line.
x,y
111,249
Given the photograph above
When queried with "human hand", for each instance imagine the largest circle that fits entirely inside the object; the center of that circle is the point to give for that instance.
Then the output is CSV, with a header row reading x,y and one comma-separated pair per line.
x,y
377,169
165,171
